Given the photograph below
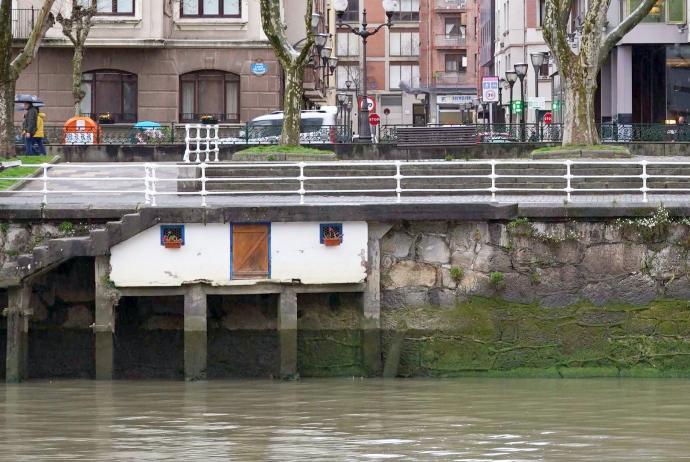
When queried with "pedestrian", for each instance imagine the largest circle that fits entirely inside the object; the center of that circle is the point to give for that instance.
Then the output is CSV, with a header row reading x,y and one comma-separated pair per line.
x,y
37,141
29,127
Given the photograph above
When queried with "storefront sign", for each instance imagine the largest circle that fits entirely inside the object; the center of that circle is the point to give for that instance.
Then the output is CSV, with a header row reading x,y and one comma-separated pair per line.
x,y
455,99
537,102
259,68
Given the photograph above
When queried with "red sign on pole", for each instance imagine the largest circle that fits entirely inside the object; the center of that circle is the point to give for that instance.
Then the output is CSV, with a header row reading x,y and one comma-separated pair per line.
x,y
374,119
371,103
548,118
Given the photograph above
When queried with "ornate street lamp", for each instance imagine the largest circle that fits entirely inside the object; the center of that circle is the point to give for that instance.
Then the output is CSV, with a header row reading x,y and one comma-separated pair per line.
x,y
390,6
511,78
521,71
538,60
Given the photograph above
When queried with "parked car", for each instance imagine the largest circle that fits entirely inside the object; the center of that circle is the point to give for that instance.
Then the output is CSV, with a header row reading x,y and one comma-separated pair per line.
x,y
318,126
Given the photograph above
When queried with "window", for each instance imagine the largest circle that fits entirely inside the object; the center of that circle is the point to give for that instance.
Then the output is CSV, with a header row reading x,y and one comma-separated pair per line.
x,y
391,100
112,92
214,93
456,62
544,71
121,7
669,11
542,12
217,8
408,10
351,14
172,233
345,73
330,231
404,43
347,44
407,73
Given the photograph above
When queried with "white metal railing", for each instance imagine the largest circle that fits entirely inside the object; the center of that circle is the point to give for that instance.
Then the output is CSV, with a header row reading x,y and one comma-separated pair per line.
x,y
152,181
201,140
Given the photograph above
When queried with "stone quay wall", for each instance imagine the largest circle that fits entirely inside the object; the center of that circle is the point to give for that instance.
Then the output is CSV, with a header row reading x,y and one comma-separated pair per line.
x,y
537,298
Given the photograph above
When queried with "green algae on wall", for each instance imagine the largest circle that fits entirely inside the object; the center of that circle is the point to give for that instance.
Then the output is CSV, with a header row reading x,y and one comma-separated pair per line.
x,y
497,338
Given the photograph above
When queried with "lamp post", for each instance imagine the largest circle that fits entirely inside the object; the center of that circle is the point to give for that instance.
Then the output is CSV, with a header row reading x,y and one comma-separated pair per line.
x,y
538,60
521,71
390,6
502,83
511,78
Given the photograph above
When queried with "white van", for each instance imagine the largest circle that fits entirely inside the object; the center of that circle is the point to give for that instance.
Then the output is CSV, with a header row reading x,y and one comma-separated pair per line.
x,y
318,126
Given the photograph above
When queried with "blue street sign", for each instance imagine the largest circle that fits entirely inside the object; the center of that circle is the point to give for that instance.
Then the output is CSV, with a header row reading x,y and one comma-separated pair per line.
x,y
259,68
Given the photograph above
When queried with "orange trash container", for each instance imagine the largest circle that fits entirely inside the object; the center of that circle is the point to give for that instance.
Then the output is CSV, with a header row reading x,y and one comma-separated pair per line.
x,y
81,130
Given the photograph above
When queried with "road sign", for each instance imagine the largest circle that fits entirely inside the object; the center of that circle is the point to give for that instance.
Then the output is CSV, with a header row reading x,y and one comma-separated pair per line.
x,y
490,89
259,68
374,119
548,118
372,103
536,102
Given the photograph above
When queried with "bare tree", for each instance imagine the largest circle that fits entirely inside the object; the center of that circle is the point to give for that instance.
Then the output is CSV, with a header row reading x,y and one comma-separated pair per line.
x,y
11,67
579,69
293,63
76,28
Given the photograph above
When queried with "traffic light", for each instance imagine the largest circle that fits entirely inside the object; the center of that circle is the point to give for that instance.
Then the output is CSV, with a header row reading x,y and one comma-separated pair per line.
x,y
517,106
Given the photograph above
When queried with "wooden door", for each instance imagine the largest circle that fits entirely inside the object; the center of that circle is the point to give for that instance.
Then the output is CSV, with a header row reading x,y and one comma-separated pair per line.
x,y
250,251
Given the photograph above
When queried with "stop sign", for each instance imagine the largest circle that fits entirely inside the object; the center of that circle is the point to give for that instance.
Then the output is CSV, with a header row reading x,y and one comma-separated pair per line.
x,y
548,117
374,119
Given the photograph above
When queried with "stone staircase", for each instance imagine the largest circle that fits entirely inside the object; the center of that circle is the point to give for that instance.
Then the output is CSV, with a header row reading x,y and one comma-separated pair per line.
x,y
53,252
531,178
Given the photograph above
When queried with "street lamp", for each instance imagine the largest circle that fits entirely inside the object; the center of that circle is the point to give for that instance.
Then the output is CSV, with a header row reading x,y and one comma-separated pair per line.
x,y
511,78
538,60
521,71
390,6
502,83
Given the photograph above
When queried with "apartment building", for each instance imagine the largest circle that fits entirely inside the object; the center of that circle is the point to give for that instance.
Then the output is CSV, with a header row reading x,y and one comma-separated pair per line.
x,y
393,57
165,61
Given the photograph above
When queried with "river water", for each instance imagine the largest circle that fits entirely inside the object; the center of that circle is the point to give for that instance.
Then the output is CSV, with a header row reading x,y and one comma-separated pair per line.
x,y
348,420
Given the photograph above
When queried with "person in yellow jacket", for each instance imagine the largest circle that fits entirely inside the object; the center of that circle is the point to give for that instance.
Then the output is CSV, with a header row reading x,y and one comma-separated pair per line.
x,y
37,140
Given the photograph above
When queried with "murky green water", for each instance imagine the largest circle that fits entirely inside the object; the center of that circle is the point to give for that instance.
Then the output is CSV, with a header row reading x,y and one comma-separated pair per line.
x,y
466,419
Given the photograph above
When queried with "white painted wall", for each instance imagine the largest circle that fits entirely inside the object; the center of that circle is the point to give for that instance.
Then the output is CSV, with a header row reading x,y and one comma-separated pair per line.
x,y
296,253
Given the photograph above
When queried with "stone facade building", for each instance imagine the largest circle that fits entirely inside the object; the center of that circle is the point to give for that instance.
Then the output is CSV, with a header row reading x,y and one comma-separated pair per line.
x,y
166,61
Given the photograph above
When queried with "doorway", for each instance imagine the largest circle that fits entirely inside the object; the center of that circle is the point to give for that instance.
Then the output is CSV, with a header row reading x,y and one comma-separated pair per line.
x,y
250,251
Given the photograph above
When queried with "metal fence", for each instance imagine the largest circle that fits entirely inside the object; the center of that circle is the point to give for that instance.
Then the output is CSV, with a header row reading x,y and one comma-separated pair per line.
x,y
483,179
23,22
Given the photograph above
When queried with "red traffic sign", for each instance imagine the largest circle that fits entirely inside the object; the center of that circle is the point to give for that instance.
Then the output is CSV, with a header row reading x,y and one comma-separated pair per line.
x,y
548,118
371,103
374,119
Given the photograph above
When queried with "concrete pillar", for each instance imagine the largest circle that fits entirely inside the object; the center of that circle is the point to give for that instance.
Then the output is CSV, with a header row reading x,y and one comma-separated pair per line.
x,y
623,104
104,327
606,78
371,321
287,330
18,315
195,330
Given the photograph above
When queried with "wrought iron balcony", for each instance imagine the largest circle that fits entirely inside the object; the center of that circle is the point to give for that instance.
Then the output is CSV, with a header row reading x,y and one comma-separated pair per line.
x,y
451,78
451,40
451,5
23,22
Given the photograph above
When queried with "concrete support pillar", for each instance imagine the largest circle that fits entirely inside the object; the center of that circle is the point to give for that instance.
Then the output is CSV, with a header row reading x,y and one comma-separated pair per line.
x,y
623,83
18,315
287,330
606,79
104,327
371,321
195,333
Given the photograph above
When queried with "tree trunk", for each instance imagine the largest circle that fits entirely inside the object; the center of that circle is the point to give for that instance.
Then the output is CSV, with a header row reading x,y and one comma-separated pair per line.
x,y
579,125
77,92
292,105
7,142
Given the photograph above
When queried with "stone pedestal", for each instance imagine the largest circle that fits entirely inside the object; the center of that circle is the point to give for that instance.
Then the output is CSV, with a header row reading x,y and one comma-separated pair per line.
x,y
287,330
195,333
104,327
18,315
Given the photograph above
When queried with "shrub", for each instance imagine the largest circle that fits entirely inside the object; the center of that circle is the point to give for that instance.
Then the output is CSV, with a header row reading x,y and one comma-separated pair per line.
x,y
497,279
457,273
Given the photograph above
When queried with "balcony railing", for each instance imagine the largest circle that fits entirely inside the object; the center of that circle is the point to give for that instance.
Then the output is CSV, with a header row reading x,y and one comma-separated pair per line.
x,y
450,78
23,22
451,40
451,4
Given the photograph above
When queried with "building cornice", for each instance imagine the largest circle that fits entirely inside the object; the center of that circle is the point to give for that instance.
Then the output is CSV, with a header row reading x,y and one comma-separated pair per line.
x,y
154,43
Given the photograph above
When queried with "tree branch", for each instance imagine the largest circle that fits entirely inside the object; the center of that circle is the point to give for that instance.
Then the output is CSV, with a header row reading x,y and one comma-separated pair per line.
x,y
44,21
275,31
309,43
626,26
555,31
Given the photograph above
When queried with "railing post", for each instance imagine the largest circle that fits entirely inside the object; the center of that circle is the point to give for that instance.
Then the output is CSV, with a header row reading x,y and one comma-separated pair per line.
x,y
493,181
147,190
568,177
45,183
153,185
644,180
203,184
302,191
398,180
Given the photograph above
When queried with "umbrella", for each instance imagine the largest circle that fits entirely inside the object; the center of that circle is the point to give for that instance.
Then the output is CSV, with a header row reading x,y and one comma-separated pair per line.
x,y
27,99
147,124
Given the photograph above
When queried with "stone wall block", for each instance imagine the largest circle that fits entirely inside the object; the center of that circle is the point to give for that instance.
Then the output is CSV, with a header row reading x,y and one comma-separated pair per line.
x,y
397,244
464,236
17,239
668,263
490,259
428,227
433,249
612,259
410,274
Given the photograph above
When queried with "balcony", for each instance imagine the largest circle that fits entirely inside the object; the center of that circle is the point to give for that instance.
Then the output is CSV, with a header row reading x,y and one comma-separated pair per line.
x,y
450,79
450,40
451,5
23,22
